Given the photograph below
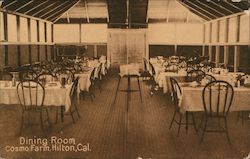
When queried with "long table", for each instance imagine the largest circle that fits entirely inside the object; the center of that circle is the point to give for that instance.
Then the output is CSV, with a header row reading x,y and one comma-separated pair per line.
x,y
191,99
54,95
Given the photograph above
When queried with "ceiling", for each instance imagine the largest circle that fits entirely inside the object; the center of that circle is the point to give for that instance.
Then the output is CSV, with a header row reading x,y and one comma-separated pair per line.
x,y
126,13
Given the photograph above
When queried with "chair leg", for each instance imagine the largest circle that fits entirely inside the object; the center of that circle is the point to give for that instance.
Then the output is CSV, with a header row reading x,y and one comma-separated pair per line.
x,y
117,88
21,128
77,112
187,114
203,131
41,121
138,80
225,120
194,123
56,115
71,114
179,125
47,112
172,120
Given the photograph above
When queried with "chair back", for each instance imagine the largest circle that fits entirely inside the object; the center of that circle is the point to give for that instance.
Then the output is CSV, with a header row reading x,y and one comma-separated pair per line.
x,y
30,94
152,69
176,92
74,88
217,97
193,74
207,77
92,76
65,73
45,77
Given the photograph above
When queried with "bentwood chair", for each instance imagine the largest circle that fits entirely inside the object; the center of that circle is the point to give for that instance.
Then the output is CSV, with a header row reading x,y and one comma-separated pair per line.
x,y
193,74
73,108
176,93
208,77
31,98
243,115
217,97
45,77
90,93
153,84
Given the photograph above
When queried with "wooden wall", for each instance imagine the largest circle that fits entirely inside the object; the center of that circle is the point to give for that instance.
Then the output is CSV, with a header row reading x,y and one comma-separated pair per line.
x,y
24,40
228,39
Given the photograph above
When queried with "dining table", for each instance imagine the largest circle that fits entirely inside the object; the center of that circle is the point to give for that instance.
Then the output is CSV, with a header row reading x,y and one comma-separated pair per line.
x,y
191,98
55,95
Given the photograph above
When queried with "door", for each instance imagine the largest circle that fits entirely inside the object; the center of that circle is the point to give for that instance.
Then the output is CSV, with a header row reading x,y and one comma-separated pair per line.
x,y
126,46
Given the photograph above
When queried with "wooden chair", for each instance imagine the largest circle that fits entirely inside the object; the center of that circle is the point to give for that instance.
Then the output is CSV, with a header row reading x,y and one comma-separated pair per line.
x,y
31,97
193,74
176,93
217,97
73,108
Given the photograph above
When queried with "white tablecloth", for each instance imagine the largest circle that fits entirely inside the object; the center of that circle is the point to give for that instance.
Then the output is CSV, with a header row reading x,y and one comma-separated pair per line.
x,y
163,79
54,95
191,99
129,69
84,81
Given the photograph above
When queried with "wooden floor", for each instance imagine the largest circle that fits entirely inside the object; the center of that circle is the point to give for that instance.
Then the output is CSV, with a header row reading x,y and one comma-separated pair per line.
x,y
115,134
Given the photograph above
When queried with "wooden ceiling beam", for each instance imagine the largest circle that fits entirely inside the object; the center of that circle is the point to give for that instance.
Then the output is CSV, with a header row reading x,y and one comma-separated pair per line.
x,y
44,9
53,10
16,10
198,13
205,5
59,13
200,8
220,6
86,9
9,4
239,9
28,11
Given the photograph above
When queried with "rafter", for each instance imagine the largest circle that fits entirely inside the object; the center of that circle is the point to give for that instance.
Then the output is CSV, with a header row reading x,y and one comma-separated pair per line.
x,y
28,11
23,6
86,9
43,9
233,5
204,4
202,16
11,3
55,18
54,9
220,6
207,12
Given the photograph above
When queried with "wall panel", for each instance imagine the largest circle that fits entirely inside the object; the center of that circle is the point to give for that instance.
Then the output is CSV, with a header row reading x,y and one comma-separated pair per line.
x,y
23,29
207,32
66,33
222,35
161,33
94,33
232,30
214,32
12,28
1,27
12,55
189,33
245,29
33,30
41,31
